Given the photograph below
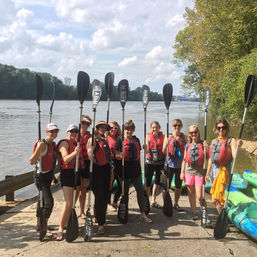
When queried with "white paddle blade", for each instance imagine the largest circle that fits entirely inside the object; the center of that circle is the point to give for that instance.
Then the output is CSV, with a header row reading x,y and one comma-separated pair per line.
x,y
96,92
145,95
208,96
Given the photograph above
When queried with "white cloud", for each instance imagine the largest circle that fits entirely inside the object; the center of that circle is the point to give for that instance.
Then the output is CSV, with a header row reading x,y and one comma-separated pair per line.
x,y
128,61
175,20
7,12
156,54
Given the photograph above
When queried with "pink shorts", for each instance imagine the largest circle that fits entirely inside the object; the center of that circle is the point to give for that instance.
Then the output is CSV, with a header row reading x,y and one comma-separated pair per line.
x,y
192,180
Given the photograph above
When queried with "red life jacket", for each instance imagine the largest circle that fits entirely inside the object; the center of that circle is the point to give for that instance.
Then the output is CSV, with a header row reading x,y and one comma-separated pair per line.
x,y
102,152
195,154
220,151
83,144
70,165
111,142
49,158
131,149
176,145
156,144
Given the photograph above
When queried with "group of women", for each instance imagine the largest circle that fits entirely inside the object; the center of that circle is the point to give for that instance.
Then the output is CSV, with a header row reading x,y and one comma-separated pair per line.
x,y
175,155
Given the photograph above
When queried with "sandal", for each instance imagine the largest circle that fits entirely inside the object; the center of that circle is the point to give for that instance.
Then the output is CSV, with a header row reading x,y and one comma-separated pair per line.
x,y
178,208
49,233
145,219
59,236
156,205
100,230
83,216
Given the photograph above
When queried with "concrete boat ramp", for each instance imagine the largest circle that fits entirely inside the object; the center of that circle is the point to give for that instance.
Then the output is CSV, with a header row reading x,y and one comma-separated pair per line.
x,y
175,236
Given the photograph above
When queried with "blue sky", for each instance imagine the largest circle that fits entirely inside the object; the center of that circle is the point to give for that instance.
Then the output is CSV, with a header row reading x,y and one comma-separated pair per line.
x,y
131,38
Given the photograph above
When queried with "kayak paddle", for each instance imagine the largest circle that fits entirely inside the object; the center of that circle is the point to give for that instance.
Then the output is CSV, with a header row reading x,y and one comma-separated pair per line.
x,y
167,93
109,79
145,100
72,230
96,95
204,205
123,88
220,229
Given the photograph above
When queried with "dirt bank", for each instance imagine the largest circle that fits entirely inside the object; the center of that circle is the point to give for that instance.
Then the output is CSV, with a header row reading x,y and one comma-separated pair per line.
x,y
250,146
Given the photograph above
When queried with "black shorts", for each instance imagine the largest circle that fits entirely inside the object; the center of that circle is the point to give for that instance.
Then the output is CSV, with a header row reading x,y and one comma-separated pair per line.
x,y
68,178
150,169
170,172
85,172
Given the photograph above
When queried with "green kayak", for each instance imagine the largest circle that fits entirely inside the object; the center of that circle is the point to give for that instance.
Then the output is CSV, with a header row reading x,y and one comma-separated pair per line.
x,y
250,177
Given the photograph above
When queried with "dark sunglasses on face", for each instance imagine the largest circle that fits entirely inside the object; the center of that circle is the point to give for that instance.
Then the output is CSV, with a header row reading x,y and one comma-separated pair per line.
x,y
53,131
193,132
115,128
74,131
85,123
223,128
176,125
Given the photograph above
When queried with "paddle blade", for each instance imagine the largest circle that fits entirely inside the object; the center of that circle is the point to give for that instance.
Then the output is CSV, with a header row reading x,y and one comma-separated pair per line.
x,y
123,211
208,96
204,214
88,227
250,89
145,95
167,206
109,79
72,231
220,229
82,85
39,88
42,225
96,92
147,203
123,88
167,93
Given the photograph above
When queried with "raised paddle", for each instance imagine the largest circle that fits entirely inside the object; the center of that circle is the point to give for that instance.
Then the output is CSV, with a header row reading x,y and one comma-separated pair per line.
x,y
52,104
72,230
167,93
96,95
145,100
123,89
42,218
220,229
109,79
204,205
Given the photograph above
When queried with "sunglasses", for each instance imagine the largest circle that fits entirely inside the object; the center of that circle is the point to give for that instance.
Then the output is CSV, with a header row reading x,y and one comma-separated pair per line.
x,y
85,123
53,131
223,128
115,128
74,131
176,125
193,132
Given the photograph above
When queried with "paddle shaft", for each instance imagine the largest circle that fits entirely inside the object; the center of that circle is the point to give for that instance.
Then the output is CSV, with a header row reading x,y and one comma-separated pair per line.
x,y
108,108
122,162
145,145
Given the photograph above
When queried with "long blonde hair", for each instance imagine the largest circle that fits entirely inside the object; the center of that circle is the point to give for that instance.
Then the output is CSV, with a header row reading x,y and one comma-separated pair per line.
x,y
115,123
189,138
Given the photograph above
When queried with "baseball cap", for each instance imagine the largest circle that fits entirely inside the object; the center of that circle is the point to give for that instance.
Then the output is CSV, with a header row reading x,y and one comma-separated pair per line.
x,y
71,127
51,126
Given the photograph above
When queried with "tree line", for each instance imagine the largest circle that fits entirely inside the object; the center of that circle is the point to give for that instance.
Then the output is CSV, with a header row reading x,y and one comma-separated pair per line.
x,y
20,84
218,46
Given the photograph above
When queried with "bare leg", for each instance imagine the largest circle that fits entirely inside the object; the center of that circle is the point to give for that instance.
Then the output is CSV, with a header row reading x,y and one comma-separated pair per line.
x,y
199,195
82,195
177,195
191,196
155,188
218,206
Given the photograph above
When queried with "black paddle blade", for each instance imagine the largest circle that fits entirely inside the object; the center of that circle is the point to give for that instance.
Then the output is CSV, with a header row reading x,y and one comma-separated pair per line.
x,y
220,229
72,231
147,203
167,93
123,212
109,79
42,225
145,95
250,89
123,88
82,85
167,206
204,214
39,90
88,227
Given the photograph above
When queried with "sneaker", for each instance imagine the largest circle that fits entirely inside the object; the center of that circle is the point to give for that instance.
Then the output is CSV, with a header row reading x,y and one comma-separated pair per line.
x,y
192,216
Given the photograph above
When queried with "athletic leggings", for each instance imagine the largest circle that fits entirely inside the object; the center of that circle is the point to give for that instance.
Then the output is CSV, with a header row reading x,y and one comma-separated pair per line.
x,y
101,188
43,181
150,169
137,183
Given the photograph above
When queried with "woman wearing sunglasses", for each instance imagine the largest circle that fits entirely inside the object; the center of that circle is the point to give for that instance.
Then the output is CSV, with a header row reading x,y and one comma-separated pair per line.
x,y
175,145
155,160
113,134
132,167
222,150
46,150
101,156
68,151
192,171
84,137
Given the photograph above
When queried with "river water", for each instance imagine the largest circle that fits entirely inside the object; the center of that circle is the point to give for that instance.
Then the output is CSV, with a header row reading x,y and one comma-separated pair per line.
x,y
18,128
